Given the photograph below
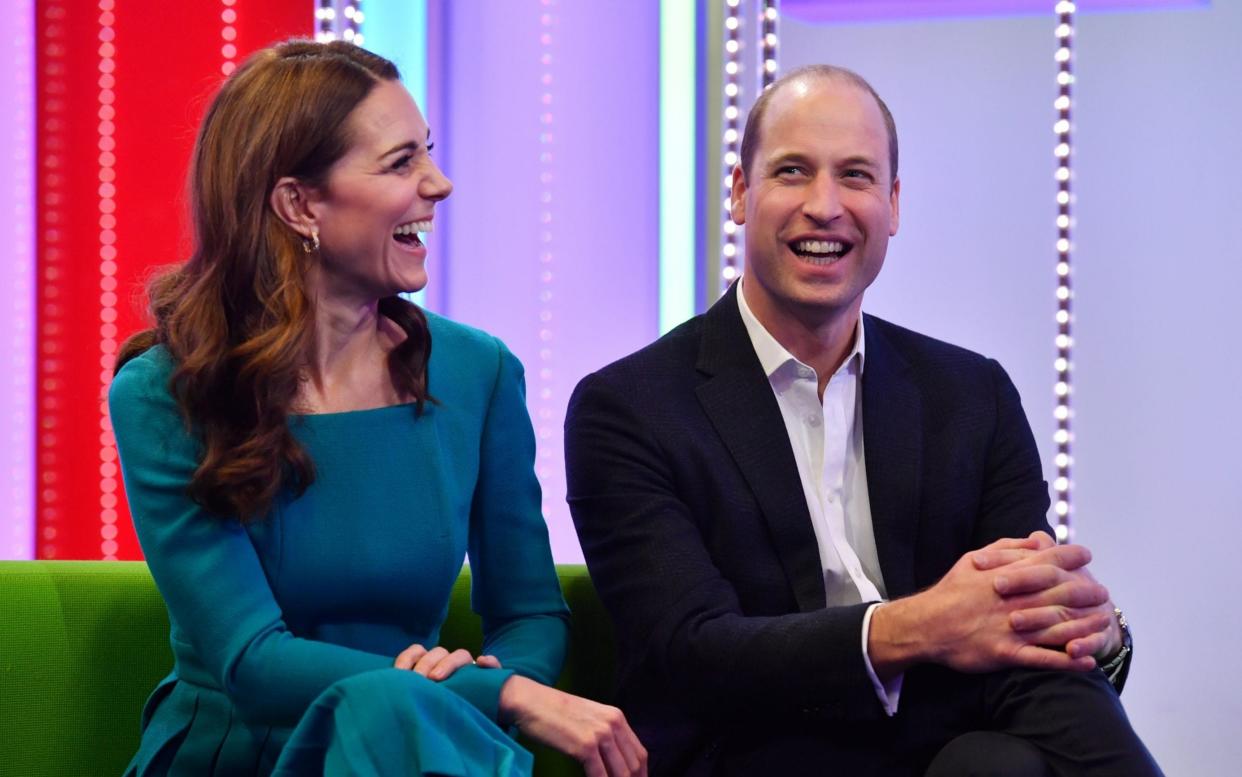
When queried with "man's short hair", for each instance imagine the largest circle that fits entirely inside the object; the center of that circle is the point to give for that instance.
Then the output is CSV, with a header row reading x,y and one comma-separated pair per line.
x,y
750,136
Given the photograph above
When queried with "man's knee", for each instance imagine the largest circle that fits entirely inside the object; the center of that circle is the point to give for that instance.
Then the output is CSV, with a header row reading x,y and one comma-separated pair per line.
x,y
988,754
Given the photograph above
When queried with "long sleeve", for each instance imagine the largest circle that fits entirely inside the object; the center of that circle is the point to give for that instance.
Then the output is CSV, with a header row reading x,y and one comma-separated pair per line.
x,y
514,585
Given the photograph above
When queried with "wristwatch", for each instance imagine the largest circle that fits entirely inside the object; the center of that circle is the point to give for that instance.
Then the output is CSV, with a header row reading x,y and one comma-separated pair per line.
x,y
1117,669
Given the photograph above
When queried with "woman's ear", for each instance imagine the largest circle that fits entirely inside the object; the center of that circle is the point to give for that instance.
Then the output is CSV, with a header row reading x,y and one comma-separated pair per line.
x,y
291,201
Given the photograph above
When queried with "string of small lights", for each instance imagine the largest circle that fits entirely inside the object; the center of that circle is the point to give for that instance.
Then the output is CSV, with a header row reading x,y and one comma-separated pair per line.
x,y
732,137
53,269
353,21
228,31
1064,339
768,18
545,410
325,21
109,480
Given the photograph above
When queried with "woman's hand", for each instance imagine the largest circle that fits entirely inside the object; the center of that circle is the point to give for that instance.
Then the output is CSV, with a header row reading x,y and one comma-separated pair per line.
x,y
438,663
597,735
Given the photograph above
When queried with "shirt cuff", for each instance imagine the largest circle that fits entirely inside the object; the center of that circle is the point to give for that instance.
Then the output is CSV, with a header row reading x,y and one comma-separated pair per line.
x,y
889,692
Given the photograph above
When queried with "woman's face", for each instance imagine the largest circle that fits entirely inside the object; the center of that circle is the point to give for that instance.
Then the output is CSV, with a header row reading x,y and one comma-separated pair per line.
x,y
377,201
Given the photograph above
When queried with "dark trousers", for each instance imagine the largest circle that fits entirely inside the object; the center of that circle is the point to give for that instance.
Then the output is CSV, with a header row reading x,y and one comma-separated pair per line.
x,y
1018,722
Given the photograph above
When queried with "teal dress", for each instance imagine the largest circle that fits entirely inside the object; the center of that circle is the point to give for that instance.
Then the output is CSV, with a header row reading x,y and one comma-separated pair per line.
x,y
284,630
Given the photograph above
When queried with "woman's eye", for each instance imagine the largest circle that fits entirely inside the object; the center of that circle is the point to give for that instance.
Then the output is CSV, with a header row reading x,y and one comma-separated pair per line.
x,y
403,162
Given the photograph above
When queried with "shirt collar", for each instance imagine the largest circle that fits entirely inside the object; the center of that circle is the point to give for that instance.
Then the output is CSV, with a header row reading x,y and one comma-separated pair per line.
x,y
772,355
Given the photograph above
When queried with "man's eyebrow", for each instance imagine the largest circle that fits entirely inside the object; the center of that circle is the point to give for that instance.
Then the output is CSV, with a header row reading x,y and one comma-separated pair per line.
x,y
788,156
859,160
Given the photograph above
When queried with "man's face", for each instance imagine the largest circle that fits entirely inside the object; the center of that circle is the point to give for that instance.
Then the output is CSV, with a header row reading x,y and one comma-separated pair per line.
x,y
817,204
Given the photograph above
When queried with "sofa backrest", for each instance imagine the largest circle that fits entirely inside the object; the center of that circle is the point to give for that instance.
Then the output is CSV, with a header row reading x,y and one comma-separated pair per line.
x,y
82,644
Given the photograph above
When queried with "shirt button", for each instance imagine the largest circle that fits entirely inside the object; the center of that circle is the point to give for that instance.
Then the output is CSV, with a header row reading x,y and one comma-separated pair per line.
x,y
814,420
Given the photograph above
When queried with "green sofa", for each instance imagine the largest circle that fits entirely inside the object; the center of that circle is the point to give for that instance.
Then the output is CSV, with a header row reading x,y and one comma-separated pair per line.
x,y
82,643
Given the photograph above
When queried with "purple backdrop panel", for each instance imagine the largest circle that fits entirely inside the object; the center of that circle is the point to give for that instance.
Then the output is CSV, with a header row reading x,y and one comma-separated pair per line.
x,y
550,238
17,282
828,11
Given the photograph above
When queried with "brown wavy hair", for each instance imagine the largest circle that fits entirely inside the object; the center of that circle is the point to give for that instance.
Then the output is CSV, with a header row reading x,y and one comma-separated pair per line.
x,y
236,318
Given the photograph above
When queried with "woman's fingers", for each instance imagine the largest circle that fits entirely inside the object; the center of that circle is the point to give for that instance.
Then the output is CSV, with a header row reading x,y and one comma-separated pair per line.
x,y
450,663
408,657
488,662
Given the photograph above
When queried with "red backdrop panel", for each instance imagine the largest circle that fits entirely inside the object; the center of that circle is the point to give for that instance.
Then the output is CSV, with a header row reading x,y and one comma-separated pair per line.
x,y
121,87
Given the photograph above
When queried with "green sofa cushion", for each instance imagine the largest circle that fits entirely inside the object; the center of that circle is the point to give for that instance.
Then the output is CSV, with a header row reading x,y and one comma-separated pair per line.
x,y
82,644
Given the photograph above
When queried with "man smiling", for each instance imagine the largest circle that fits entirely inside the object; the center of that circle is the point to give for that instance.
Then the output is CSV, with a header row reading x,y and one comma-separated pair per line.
x,y
822,537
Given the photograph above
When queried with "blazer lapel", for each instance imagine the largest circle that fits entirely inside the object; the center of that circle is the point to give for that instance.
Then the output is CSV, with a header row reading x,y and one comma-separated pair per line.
x,y
739,402
892,442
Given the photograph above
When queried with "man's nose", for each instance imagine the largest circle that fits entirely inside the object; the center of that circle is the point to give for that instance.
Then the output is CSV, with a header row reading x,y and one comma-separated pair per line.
x,y
435,186
823,200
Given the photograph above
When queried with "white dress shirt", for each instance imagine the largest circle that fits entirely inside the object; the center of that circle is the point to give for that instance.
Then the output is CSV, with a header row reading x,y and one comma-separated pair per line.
x,y
827,441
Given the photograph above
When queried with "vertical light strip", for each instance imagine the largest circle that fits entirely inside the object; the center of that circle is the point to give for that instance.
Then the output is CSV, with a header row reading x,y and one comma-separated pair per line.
x,y
53,269
352,11
228,33
109,480
325,21
397,30
17,278
677,162
732,138
545,405
1064,318
768,19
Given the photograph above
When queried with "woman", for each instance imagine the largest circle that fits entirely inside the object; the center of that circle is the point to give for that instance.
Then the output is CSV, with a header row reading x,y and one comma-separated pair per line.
x,y
305,477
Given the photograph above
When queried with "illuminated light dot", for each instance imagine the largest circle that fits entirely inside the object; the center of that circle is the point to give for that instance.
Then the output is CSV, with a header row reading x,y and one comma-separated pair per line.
x,y
1061,413
228,51
1061,484
1063,221
769,13
227,68
107,190
546,59
1062,507
1061,388
1061,364
1062,55
1063,30
108,502
108,255
1062,150
108,470
769,65
729,273
107,454
730,158
732,46
730,250
107,81
1062,460
1061,127
107,50
107,300
1063,246
107,34
107,159
108,531
109,315
228,16
1062,532
106,66
730,228
1065,79
731,112
1063,317
107,19
1063,198
731,68
107,143
728,204
1063,173
109,547
107,174
732,23
732,3
770,40
731,90
730,136
107,485
107,206
49,533
546,79
1061,103
1063,293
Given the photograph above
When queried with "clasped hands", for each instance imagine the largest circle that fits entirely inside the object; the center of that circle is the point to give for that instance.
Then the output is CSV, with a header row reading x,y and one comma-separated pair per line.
x,y
595,734
1015,603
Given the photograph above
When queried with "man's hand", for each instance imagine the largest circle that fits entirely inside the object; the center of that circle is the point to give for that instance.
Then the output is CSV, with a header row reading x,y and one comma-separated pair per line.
x,y
1055,607
965,621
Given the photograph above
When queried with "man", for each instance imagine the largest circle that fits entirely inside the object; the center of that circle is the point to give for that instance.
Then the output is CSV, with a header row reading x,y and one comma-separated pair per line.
x,y
821,537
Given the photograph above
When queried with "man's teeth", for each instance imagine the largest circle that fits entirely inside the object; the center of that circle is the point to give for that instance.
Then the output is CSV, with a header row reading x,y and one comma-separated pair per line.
x,y
820,247
413,227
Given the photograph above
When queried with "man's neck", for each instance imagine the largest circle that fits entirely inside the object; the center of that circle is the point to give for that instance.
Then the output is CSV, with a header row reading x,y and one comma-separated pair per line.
x,y
818,339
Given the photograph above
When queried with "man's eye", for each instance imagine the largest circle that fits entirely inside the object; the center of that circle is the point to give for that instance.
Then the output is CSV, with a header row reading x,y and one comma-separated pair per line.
x,y
790,170
859,174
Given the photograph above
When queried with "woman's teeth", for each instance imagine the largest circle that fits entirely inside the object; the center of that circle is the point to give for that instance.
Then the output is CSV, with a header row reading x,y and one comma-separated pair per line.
x,y
413,227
